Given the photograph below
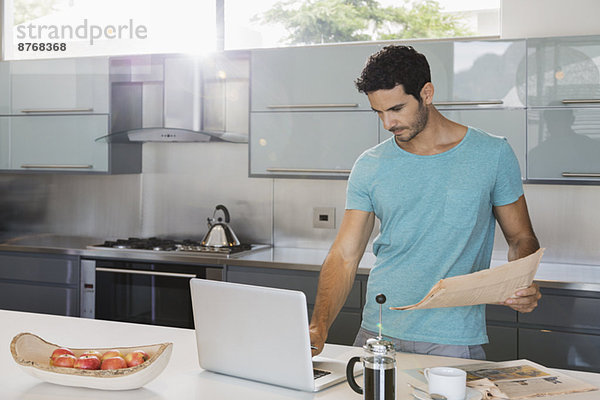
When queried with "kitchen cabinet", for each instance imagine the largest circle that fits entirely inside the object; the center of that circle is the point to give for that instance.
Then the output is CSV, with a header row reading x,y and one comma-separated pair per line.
x,y
311,77
4,87
563,144
4,143
563,71
509,123
476,73
307,119
347,323
562,332
67,143
42,283
323,144
75,85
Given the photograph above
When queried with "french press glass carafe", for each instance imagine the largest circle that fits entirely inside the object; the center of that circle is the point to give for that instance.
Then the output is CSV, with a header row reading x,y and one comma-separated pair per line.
x,y
379,366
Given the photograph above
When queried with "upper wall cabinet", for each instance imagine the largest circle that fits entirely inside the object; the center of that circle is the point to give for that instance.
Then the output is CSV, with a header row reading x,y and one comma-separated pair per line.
x,y
313,78
476,73
305,144
77,85
55,143
4,87
563,71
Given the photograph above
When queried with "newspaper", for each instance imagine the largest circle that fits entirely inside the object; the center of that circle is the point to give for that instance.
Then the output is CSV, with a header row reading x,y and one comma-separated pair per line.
x,y
521,379
489,286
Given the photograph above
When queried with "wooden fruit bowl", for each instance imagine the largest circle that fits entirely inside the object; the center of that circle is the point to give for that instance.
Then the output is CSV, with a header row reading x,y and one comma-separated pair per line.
x,y
32,353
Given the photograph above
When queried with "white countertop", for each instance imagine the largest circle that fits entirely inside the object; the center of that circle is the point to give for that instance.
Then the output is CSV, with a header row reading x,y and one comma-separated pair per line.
x,y
183,378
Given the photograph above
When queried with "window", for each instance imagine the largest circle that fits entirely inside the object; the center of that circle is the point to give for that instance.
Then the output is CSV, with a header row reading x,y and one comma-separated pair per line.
x,y
68,28
272,23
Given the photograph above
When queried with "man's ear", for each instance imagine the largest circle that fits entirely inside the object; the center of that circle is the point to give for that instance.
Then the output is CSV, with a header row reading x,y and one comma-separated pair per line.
x,y
427,93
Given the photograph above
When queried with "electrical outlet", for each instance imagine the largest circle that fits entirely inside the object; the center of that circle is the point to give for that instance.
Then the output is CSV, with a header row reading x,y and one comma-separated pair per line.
x,y
324,217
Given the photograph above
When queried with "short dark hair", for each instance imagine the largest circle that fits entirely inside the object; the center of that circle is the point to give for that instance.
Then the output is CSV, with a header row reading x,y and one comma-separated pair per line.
x,y
392,66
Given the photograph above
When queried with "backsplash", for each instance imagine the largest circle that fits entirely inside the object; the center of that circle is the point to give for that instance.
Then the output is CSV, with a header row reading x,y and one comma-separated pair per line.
x,y
181,184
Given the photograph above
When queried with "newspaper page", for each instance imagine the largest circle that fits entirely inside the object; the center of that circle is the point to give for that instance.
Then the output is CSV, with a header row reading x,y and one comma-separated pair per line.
x,y
522,379
488,286
513,380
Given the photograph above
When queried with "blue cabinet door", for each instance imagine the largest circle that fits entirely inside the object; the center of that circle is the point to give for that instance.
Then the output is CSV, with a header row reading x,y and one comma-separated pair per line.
x,y
59,143
563,71
477,73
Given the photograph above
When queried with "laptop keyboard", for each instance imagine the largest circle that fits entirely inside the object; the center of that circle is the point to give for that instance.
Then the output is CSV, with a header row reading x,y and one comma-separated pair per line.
x,y
319,373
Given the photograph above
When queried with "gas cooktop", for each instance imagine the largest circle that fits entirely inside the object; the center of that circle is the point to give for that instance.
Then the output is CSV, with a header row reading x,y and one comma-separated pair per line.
x,y
154,244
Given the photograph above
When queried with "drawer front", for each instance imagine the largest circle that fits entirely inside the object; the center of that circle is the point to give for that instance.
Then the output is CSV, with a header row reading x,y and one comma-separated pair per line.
x,y
39,299
53,270
560,349
500,313
565,311
303,281
502,345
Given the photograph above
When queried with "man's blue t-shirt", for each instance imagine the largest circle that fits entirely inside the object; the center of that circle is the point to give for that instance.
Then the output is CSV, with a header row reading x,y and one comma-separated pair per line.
x,y
436,222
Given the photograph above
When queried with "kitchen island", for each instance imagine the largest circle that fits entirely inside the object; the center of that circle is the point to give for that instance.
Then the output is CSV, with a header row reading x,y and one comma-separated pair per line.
x,y
183,378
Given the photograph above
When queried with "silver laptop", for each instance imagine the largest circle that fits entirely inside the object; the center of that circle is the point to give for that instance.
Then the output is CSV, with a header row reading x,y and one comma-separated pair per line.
x,y
259,333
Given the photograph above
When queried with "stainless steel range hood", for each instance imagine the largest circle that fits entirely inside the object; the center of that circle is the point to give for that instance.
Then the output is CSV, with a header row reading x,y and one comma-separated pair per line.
x,y
172,98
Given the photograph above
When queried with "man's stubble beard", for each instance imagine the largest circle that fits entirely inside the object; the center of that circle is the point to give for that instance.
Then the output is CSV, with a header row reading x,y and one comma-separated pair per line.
x,y
419,125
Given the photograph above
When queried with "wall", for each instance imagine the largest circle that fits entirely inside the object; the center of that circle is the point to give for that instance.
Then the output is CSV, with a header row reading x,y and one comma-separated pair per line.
x,y
541,18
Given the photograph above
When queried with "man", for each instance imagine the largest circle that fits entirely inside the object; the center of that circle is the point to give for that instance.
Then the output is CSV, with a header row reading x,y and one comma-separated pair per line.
x,y
436,187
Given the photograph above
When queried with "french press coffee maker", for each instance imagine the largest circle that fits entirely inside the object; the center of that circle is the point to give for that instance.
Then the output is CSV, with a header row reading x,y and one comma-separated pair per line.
x,y
379,366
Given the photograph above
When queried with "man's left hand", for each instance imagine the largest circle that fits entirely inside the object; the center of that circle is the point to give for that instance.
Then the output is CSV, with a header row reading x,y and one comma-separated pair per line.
x,y
525,300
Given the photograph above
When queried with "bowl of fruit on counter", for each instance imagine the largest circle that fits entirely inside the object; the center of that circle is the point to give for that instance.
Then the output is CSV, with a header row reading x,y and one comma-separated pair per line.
x,y
116,368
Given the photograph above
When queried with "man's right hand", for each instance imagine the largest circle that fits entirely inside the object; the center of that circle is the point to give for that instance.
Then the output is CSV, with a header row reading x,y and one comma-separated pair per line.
x,y
317,340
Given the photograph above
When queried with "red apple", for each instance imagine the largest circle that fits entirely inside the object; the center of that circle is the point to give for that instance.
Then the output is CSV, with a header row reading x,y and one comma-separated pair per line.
x,y
111,353
113,363
136,357
92,353
64,360
60,351
87,362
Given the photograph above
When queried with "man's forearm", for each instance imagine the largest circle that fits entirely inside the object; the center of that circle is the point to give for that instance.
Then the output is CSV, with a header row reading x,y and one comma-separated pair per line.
x,y
335,281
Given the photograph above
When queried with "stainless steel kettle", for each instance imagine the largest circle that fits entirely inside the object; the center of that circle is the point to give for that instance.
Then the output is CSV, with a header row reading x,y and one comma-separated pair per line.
x,y
219,233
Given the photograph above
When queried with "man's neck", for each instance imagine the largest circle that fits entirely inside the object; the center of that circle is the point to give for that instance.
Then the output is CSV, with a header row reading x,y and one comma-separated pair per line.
x,y
439,135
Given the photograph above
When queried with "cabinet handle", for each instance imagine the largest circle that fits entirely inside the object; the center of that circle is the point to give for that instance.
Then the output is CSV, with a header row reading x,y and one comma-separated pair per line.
x,y
581,174
467,103
152,273
319,171
57,166
580,101
56,110
332,105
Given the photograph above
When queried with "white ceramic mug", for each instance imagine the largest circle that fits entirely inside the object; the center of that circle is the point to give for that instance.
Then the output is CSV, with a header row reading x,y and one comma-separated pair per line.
x,y
447,381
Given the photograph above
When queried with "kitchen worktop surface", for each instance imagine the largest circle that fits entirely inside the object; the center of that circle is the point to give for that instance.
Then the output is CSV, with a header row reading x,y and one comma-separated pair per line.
x,y
550,275
183,378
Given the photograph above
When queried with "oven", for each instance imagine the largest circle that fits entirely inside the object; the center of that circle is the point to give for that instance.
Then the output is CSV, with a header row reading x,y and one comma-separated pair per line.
x,y
141,292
